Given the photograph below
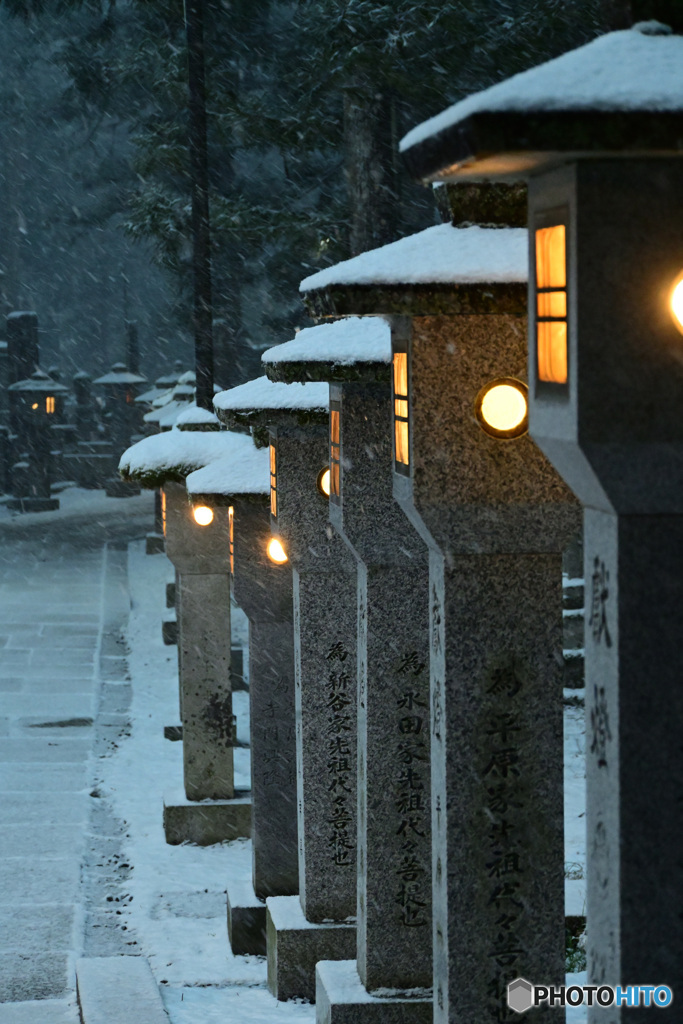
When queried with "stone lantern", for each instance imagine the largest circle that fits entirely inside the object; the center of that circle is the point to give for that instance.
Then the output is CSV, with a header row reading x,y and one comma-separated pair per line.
x,y
496,518
598,134
263,590
320,922
198,545
36,404
394,902
120,387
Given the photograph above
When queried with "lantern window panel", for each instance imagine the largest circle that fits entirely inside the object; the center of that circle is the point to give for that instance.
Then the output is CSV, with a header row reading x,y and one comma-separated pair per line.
x,y
273,480
401,413
335,450
551,303
231,536
49,404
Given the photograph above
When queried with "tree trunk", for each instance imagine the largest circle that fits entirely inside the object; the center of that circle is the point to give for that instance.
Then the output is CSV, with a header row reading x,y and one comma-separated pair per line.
x,y
370,166
201,236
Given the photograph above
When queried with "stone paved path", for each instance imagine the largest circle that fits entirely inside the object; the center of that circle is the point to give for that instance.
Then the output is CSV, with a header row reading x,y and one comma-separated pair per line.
x,y
63,698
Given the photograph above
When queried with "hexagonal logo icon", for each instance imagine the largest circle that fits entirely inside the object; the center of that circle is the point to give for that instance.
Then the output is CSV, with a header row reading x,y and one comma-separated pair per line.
x,y
520,995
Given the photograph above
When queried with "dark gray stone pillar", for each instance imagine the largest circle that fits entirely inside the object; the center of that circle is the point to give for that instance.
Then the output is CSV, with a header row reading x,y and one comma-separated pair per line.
x,y
320,923
200,555
497,518
614,431
264,592
394,945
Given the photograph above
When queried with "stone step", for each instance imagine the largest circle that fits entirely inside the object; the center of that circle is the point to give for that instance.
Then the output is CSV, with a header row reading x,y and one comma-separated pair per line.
x,y
118,990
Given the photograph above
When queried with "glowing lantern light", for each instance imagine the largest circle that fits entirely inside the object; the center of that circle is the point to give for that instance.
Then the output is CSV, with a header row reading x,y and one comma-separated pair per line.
x,y
401,437
502,408
35,405
551,304
276,552
323,482
676,302
203,515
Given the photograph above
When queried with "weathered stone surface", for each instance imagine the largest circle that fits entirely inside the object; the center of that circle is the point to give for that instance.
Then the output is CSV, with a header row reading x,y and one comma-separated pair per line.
x,y
497,775
206,823
496,517
341,998
615,434
201,557
394,824
324,581
296,945
264,592
207,698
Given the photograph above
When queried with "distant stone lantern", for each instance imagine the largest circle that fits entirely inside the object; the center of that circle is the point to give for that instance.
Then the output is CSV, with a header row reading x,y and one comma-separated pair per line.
x,y
36,405
292,419
212,809
598,132
263,590
496,518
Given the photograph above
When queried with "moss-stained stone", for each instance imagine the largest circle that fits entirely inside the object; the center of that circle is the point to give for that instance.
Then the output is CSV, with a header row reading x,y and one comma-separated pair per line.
x,y
417,300
484,203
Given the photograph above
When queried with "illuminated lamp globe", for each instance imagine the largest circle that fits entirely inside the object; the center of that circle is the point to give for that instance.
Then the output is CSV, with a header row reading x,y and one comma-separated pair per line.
x,y
676,302
276,552
203,515
502,408
323,481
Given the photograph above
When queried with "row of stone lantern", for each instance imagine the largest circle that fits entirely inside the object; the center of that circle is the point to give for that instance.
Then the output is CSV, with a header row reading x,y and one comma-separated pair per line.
x,y
427,593
427,645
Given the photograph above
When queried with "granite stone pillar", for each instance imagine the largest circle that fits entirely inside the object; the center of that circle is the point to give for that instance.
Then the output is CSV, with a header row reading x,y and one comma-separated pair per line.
x,y
200,555
320,924
391,977
613,430
394,954
496,518
263,590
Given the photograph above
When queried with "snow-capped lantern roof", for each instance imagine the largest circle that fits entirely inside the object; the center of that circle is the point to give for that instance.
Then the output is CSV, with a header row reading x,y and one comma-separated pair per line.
x,y
193,417
344,349
175,454
261,401
620,93
120,374
244,473
442,268
39,383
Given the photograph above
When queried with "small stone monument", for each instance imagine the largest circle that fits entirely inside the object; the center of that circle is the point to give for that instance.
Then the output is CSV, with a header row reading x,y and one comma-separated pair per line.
x,y
394,904
496,518
198,545
36,404
263,590
320,922
606,374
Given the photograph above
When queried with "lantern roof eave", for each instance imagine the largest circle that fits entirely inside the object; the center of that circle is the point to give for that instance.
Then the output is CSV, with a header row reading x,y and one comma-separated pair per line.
x,y
621,94
349,349
262,402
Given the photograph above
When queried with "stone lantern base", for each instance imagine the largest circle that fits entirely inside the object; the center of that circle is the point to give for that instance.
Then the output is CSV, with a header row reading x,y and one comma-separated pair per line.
x,y
295,946
206,822
33,504
341,998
